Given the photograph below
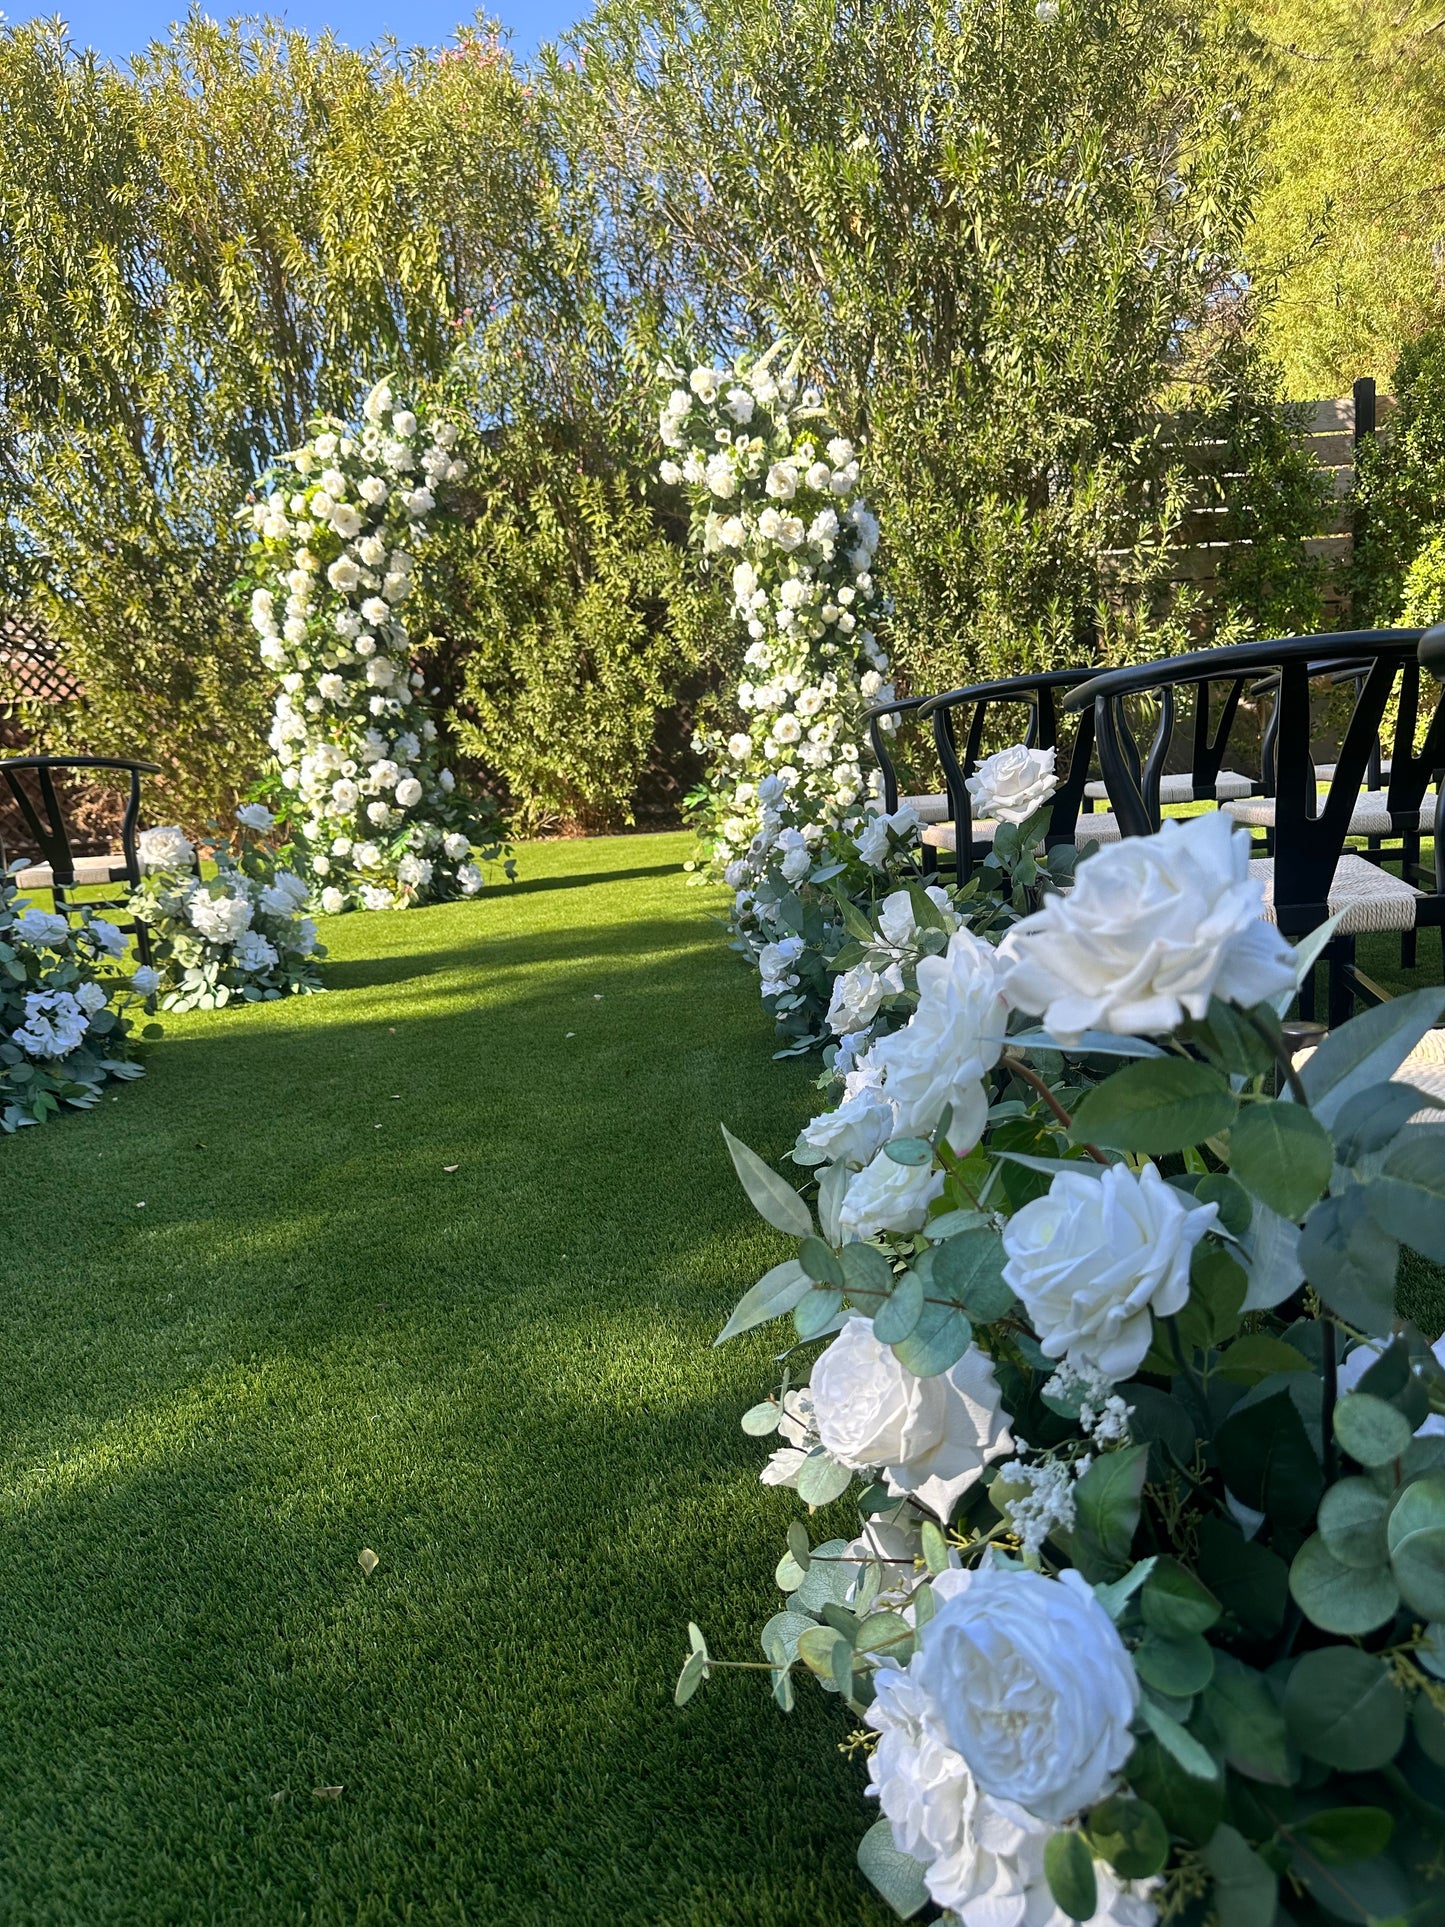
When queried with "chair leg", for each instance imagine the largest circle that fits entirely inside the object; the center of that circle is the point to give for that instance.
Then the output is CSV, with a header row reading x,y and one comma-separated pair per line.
x,y
1307,996
930,860
1341,953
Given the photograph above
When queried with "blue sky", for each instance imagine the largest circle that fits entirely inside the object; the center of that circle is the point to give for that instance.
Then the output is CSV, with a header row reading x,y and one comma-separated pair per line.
x,y
121,27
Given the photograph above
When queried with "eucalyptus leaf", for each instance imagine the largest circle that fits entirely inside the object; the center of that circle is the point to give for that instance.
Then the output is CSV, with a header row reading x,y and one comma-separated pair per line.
x,y
1416,1538
694,1671
1197,1761
832,1188
1339,1598
1130,1835
1407,1199
815,1313
759,1420
898,1877
821,1479
1282,1154
968,1268
867,1274
1179,1665
1069,1870
939,1339
1374,1118
1367,1051
774,1200
1246,1719
899,1313
773,1296
1371,1431
1351,1259
1245,1887
1352,1523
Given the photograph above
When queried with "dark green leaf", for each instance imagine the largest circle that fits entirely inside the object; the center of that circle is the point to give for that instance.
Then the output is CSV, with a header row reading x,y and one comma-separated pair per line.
x,y
1343,1707
1196,1760
1069,1869
1179,1665
969,1269
1175,1602
1282,1154
1257,1356
1348,1833
935,1547
1107,1500
1245,1888
813,1314
1247,1720
1235,1210
1217,1287
909,1150
1161,1104
868,1276
1267,1460
1130,1835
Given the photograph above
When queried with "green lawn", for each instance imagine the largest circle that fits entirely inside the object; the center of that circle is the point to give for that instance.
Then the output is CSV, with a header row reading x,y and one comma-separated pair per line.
x,y
252,1325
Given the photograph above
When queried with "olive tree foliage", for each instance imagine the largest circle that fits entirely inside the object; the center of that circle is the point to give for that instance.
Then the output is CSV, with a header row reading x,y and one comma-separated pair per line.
x,y
1399,564
1350,219
1006,240
198,254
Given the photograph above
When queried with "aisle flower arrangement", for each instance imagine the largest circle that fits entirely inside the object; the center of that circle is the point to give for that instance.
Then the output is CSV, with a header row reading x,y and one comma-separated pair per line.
x,y
775,496
65,1029
240,935
1132,1574
373,812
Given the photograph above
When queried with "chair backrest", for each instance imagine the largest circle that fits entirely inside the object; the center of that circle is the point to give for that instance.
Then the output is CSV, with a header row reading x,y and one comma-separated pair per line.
x,y
1308,841
901,706
43,812
1039,693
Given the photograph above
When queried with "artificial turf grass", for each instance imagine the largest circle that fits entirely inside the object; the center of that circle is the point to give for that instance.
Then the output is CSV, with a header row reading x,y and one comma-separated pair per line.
x,y
312,1338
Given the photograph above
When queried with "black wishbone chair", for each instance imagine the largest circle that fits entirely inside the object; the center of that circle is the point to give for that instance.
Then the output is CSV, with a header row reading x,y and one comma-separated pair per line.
x,y
31,782
928,809
959,836
1310,876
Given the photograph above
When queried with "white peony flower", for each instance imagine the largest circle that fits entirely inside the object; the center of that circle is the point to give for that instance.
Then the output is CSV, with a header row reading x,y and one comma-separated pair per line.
x,y
254,954
954,1038
1046,1650
55,1024
889,1197
419,502
219,919
40,929
1095,1255
933,1436
375,897
854,1133
414,872
332,901
108,938
858,994
91,998
165,848
1013,784
1153,928
255,816
408,793
285,895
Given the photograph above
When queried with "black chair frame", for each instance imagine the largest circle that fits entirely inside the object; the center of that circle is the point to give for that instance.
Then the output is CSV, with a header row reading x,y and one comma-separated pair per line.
x,y
52,837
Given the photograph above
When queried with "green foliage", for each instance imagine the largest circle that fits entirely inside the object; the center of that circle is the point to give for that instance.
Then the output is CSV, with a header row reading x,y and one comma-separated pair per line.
x,y
586,641
200,254
1398,572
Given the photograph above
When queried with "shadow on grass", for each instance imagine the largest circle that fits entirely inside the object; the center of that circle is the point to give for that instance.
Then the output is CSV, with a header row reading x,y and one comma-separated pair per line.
x,y
526,886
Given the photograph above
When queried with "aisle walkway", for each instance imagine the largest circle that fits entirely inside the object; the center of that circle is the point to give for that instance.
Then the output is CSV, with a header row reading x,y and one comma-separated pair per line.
x,y
253,1324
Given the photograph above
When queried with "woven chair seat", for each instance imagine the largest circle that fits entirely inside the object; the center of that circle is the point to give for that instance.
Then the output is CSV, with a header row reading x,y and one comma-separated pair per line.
x,y
1180,789
928,809
1370,816
1098,827
1369,897
89,870
1424,1068
1325,772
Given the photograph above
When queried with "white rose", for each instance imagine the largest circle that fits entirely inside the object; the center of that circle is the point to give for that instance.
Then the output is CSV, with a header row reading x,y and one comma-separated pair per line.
x,y
419,502
670,473
219,919
1047,1650
739,404
375,611
1154,927
933,1436
255,816
345,795
377,813
469,879
366,856
333,902
372,489
720,477
857,995
41,929
145,981
782,481
408,793
740,747
787,729
165,848
1095,1255
456,846
403,423
704,384
854,1133
346,520
945,1050
889,1197
819,476
1013,784
895,919
332,687
983,1858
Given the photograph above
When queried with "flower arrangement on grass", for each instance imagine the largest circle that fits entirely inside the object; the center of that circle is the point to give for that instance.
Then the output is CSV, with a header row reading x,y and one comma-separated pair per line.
x,y
1140,1616
240,935
64,1030
775,497
374,813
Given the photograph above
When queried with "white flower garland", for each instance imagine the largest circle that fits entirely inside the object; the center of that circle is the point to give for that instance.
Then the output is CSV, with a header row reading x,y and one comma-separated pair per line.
x,y
376,813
